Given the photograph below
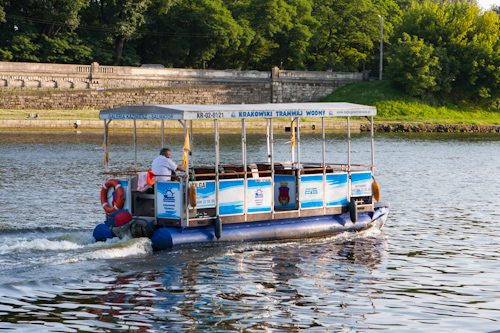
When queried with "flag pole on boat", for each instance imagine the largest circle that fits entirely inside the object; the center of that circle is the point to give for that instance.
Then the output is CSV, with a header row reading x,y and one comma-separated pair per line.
x,y
376,190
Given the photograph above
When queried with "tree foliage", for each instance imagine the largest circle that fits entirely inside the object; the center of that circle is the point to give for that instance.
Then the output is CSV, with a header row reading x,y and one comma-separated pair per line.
x,y
431,47
240,34
414,66
468,40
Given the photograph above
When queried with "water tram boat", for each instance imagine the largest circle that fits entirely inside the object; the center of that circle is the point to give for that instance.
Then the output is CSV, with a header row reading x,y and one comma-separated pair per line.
x,y
245,201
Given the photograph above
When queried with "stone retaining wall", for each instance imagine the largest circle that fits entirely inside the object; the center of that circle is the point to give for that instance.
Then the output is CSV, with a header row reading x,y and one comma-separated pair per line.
x,y
109,98
282,86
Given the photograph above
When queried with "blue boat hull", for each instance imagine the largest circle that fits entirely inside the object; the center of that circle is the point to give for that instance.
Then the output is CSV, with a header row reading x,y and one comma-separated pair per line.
x,y
171,237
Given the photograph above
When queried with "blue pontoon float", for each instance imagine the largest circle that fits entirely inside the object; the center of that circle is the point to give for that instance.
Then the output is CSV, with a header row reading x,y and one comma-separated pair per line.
x,y
245,201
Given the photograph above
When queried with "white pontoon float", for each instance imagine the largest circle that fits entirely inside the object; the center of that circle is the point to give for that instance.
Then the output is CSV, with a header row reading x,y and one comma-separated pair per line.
x,y
244,201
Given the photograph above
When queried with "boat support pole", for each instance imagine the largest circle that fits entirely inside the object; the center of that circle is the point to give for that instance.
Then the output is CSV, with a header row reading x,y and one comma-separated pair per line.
x,y
324,163
349,191
268,143
185,181
298,162
218,224
135,145
106,143
191,145
162,133
373,144
293,140
272,169
244,162
349,145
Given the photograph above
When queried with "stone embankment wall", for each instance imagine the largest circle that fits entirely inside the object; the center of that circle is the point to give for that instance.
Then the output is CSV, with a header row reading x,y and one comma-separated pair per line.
x,y
69,83
438,128
110,98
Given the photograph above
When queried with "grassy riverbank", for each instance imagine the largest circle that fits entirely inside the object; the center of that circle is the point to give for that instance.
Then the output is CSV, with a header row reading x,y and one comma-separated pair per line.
x,y
396,107
393,106
50,114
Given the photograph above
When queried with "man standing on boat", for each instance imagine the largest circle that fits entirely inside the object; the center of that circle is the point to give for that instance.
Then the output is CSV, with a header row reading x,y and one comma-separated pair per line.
x,y
163,166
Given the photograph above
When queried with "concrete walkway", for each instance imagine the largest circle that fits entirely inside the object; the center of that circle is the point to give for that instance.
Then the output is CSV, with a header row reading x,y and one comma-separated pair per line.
x,y
25,124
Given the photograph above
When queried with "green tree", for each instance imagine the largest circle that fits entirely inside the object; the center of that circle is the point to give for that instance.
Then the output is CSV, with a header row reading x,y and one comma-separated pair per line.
x,y
200,30
261,21
348,35
293,39
65,48
413,67
4,55
2,13
154,33
58,14
42,31
23,47
115,22
468,36
275,32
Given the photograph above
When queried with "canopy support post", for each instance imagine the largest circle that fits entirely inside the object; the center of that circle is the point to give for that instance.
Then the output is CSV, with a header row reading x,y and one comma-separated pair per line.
x,y
324,162
191,144
135,145
106,144
298,162
293,140
272,168
218,224
162,133
267,141
373,144
349,144
244,162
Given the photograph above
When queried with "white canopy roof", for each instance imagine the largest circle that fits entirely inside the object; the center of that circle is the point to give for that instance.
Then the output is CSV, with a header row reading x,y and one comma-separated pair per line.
x,y
237,111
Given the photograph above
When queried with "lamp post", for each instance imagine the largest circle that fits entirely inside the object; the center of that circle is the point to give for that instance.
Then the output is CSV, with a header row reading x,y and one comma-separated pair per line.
x,y
381,44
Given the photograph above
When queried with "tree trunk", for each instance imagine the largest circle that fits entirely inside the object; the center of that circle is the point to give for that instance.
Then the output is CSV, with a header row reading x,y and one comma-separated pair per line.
x,y
120,40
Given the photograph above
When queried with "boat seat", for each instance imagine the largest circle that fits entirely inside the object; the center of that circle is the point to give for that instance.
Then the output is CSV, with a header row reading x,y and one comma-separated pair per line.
x,y
263,167
204,170
281,170
228,174
311,170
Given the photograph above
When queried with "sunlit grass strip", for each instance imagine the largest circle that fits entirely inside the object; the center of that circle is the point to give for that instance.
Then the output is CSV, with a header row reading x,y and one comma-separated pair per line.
x,y
395,106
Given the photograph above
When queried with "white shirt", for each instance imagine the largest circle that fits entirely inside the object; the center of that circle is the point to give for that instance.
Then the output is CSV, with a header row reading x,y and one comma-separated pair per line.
x,y
163,166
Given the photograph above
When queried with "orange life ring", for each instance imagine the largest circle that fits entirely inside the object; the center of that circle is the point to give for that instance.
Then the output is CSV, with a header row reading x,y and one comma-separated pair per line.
x,y
150,177
120,200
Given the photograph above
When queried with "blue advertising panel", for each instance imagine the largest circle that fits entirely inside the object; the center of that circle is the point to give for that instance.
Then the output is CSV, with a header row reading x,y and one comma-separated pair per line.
x,y
284,191
259,194
336,189
311,191
128,194
231,196
168,200
361,184
205,194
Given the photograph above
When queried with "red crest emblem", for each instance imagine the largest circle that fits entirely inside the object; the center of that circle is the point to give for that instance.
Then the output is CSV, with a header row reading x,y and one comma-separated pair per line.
x,y
284,198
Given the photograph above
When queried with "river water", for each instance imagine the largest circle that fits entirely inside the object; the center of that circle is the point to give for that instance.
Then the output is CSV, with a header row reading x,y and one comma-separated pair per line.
x,y
433,267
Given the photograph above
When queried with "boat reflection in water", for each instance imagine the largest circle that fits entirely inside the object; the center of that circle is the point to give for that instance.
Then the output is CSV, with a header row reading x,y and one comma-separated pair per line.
x,y
303,284
247,201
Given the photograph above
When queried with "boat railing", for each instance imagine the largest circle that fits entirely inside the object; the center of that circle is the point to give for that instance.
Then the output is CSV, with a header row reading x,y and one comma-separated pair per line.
x,y
236,171
123,172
